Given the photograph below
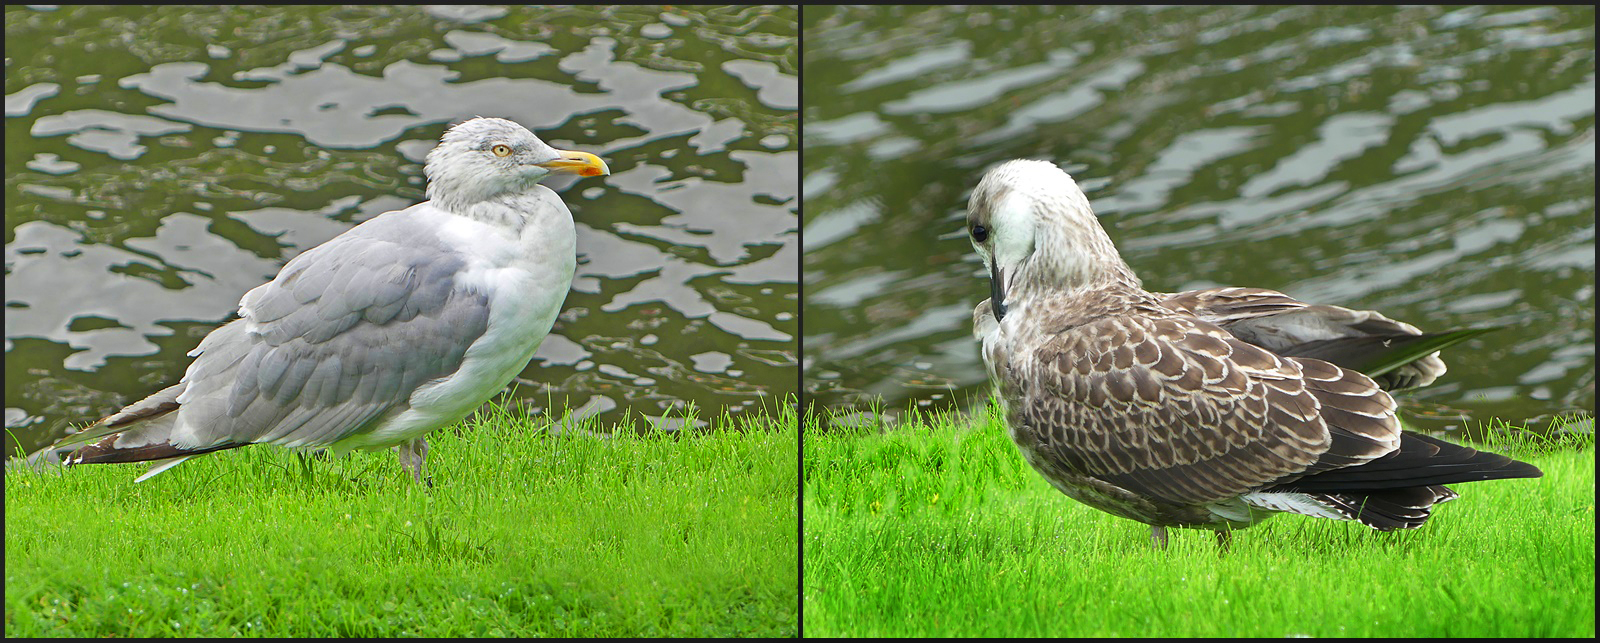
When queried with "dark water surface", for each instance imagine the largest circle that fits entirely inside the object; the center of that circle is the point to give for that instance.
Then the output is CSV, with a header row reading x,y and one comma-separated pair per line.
x,y
1435,164
161,161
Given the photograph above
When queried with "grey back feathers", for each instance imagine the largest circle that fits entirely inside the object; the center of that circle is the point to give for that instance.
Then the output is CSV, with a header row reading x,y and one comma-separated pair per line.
x,y
381,288
316,357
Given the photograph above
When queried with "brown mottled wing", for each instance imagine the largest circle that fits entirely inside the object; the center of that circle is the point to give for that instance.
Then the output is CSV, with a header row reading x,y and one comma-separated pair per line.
x,y
1222,305
1283,325
1179,410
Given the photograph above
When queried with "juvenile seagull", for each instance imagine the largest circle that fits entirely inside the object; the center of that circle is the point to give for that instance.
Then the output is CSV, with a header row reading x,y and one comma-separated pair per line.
x,y
401,325
1210,409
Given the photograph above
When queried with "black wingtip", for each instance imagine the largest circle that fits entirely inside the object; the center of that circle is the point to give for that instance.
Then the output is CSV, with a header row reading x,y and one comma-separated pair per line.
x,y
107,452
1377,355
1421,461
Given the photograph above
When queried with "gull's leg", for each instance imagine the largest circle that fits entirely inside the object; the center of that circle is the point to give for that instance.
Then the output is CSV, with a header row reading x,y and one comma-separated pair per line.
x,y
1224,540
1158,537
414,457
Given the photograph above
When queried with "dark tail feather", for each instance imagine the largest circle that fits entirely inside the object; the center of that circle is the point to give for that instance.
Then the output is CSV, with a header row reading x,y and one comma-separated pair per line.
x,y
1421,461
1391,509
106,452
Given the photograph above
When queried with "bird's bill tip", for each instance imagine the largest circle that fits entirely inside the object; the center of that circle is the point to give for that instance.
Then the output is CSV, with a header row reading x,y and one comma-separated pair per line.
x,y
579,163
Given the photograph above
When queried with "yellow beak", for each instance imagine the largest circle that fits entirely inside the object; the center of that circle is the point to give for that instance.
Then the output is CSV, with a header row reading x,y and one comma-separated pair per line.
x,y
579,163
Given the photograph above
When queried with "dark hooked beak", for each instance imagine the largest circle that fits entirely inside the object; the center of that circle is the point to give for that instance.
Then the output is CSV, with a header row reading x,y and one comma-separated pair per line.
x,y
997,291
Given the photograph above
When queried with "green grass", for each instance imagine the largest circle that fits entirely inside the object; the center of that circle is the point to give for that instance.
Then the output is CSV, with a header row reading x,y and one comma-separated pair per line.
x,y
526,533
937,529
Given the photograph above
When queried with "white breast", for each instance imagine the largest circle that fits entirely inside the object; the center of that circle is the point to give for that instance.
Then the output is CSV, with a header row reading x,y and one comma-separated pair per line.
x,y
526,273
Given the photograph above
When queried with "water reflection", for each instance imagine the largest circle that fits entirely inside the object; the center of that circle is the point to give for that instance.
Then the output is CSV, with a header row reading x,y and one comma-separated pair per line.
x,y
1436,164
162,161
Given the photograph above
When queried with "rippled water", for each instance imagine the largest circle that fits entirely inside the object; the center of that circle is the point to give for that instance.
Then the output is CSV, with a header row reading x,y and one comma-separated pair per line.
x,y
1435,164
162,161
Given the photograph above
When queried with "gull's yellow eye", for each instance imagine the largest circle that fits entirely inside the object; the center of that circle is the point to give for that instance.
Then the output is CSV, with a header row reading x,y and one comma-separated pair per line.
x,y
501,150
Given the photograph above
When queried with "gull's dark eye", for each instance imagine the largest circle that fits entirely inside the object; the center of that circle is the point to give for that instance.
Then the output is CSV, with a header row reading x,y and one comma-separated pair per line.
x,y
980,233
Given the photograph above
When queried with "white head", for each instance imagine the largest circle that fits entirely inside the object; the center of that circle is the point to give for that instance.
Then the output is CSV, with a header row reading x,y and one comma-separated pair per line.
x,y
488,158
1034,229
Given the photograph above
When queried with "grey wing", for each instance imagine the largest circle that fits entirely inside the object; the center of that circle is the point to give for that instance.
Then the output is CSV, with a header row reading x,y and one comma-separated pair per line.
x,y
1282,324
1181,412
340,338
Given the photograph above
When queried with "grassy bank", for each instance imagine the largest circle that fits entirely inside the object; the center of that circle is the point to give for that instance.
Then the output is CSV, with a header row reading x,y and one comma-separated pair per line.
x,y
939,529
525,533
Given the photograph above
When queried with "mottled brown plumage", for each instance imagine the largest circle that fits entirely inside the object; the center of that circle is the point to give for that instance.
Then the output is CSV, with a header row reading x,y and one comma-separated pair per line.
x,y
1282,324
1194,409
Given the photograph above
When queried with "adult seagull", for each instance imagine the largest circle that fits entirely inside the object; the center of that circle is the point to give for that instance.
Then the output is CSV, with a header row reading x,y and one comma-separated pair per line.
x,y
399,326
1211,409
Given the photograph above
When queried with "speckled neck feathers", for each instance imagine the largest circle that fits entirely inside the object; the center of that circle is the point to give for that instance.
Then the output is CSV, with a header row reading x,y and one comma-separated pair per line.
x,y
1046,237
